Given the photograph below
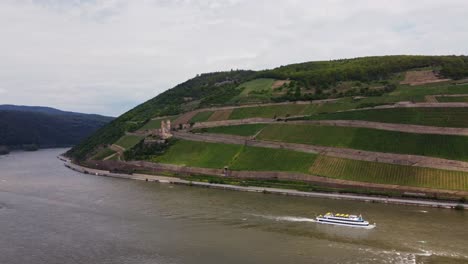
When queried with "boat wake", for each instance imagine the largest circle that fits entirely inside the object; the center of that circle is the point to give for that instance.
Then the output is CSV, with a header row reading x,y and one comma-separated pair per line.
x,y
287,218
305,219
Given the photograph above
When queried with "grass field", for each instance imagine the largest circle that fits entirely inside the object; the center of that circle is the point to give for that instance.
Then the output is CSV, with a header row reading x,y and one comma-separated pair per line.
x,y
241,130
374,172
201,117
156,123
444,117
443,146
463,99
103,153
236,157
128,141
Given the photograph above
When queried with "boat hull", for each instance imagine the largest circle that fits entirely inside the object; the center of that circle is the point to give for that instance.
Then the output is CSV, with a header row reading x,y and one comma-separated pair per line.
x,y
363,224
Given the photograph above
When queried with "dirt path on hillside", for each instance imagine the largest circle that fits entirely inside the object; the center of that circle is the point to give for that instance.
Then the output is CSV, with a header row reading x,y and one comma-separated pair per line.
x,y
391,158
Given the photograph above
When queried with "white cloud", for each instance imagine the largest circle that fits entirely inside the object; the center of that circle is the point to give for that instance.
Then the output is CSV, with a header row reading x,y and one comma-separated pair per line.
x,y
106,56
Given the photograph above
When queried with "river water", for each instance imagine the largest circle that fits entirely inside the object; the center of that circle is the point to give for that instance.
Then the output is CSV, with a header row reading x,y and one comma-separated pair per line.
x,y
50,214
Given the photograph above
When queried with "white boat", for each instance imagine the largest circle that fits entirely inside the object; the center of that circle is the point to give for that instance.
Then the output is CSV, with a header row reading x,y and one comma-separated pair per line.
x,y
343,220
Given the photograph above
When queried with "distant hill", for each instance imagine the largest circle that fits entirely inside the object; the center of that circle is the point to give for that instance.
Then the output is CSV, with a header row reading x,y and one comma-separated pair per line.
x,y
42,127
365,76
389,125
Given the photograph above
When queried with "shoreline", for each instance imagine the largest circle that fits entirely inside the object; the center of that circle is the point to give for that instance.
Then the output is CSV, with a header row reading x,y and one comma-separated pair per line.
x,y
266,190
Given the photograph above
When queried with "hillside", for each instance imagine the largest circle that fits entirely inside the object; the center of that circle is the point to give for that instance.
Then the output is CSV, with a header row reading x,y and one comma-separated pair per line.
x,y
396,123
33,126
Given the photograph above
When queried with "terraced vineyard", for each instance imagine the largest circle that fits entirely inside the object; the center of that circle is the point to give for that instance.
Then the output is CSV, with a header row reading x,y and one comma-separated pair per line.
x,y
201,117
463,99
199,154
416,93
264,159
156,123
443,146
128,141
444,117
241,130
237,157
374,172
273,111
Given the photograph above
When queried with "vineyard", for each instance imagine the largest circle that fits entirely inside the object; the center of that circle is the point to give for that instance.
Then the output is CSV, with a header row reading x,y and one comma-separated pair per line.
x,y
443,146
128,141
463,99
374,172
416,93
444,117
264,159
156,123
220,115
199,154
240,130
236,157
201,117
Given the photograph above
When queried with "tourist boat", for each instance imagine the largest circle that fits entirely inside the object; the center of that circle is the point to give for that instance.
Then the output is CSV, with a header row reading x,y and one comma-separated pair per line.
x,y
343,220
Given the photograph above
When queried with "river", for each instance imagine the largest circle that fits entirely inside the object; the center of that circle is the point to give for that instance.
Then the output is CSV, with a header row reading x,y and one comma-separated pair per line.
x,y
50,214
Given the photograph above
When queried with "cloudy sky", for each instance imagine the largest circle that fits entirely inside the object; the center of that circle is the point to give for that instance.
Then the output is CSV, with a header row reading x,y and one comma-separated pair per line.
x,y
107,56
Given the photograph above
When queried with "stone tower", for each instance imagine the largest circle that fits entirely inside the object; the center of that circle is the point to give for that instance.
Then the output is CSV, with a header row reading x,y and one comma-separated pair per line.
x,y
166,129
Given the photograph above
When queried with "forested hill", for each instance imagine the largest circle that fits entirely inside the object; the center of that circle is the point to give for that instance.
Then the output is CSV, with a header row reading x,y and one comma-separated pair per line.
x,y
366,76
22,126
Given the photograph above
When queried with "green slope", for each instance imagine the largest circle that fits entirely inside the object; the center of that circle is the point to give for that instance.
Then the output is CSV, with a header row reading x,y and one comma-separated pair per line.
x,y
313,80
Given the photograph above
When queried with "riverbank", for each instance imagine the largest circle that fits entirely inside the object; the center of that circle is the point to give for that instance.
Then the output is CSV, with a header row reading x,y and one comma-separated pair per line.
x,y
269,190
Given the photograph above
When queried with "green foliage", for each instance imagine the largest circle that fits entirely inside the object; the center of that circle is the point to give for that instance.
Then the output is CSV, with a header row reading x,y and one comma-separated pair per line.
x,y
256,85
103,153
443,117
374,172
30,147
46,129
142,151
443,146
241,130
366,69
128,141
455,68
265,159
201,117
